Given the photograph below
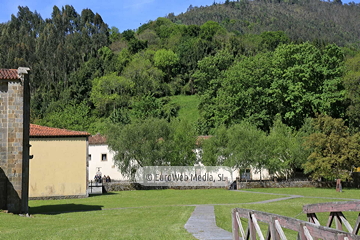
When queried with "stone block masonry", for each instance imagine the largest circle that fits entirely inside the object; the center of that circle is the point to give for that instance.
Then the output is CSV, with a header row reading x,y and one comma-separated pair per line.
x,y
14,139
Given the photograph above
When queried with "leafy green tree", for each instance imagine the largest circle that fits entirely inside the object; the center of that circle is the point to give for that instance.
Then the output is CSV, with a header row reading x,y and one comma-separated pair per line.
x,y
70,116
214,150
150,107
182,145
241,93
249,147
307,81
111,92
148,79
296,80
136,45
120,115
334,152
142,143
151,142
351,81
114,34
270,40
240,146
128,35
287,151
146,107
211,68
167,61
209,29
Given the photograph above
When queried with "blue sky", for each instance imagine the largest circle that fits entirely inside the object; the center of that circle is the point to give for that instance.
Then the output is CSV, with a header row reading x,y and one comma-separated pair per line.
x,y
123,14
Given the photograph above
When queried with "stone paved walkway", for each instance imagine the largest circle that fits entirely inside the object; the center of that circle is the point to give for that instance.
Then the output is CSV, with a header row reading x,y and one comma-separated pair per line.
x,y
202,224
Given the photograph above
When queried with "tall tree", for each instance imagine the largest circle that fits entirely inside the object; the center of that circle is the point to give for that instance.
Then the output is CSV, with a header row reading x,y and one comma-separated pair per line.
x,y
334,152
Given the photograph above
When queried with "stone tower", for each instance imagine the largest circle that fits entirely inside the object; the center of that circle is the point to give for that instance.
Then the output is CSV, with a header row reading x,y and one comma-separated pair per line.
x,y
14,139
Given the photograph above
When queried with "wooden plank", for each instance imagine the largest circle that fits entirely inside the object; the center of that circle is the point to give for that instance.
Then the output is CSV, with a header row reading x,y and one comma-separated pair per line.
x,y
330,220
279,230
301,232
345,222
235,225
268,234
307,233
332,207
338,222
328,233
257,227
251,227
313,218
242,232
315,231
357,226
273,233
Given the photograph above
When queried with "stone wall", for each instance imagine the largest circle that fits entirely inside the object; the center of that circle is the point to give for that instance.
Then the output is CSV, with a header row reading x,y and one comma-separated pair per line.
x,y
3,143
14,142
294,184
128,186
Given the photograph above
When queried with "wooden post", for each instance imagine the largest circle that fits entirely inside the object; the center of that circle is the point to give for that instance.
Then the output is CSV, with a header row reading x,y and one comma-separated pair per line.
x,y
274,234
251,227
357,226
235,225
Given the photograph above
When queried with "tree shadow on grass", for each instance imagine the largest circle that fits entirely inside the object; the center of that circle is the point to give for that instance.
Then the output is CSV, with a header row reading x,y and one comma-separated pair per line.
x,y
63,208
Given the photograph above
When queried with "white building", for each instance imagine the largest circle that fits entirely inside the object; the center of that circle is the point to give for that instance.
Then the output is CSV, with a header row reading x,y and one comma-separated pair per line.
x,y
101,158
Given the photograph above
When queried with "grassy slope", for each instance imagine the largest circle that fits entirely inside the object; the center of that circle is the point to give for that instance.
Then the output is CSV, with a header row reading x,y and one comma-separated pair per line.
x,y
188,107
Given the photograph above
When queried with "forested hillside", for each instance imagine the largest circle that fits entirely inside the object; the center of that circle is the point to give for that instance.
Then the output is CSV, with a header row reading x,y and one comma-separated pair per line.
x,y
301,20
259,70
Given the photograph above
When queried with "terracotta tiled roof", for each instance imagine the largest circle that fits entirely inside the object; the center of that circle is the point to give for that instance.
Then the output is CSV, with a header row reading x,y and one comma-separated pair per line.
x,y
97,139
41,131
9,74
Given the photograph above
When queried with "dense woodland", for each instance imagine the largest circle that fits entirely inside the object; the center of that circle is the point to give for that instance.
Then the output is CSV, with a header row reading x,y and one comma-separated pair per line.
x,y
277,82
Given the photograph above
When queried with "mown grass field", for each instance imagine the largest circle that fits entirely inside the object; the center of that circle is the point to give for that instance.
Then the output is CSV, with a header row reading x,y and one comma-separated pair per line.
x,y
154,214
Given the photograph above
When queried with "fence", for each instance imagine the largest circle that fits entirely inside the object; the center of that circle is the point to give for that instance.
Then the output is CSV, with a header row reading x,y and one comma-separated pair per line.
x,y
275,225
336,210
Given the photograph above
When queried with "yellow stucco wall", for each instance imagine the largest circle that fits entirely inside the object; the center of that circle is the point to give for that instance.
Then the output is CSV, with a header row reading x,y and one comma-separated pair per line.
x,y
58,167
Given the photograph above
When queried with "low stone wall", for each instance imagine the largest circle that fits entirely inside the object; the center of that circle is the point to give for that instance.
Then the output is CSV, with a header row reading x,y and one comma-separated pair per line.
x,y
58,197
273,184
128,186
294,184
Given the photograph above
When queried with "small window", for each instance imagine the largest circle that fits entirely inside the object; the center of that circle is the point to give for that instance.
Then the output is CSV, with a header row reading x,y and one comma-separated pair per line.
x,y
89,157
103,157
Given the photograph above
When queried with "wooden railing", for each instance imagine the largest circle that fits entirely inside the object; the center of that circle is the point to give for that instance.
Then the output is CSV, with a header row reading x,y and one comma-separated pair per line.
x,y
336,210
275,225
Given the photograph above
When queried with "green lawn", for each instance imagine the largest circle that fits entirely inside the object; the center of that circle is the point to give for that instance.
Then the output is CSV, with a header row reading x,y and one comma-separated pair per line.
x,y
154,214
145,198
